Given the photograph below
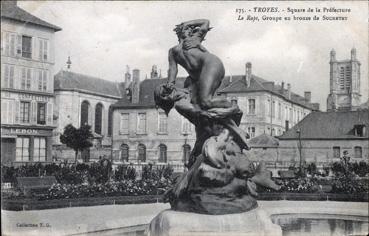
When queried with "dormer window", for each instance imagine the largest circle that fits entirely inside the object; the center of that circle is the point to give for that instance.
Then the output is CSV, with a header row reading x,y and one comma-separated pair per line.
x,y
360,130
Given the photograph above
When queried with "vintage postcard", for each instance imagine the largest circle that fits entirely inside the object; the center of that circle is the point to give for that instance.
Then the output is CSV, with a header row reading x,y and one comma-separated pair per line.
x,y
184,118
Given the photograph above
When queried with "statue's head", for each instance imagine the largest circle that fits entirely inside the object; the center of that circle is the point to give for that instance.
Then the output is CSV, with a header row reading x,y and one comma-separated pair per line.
x,y
163,98
182,31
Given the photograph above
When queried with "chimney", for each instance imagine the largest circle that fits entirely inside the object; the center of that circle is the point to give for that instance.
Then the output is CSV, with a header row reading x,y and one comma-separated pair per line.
x,y
127,77
307,95
69,63
154,72
282,88
135,85
289,91
333,55
353,54
248,73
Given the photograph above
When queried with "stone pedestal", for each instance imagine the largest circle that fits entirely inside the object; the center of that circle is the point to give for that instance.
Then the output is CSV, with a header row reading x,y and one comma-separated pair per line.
x,y
176,223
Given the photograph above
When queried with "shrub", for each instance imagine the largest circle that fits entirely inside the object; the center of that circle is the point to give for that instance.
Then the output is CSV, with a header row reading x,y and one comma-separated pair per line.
x,y
125,172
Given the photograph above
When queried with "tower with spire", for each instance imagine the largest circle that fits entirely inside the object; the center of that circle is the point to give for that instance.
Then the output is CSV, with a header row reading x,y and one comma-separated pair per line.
x,y
344,83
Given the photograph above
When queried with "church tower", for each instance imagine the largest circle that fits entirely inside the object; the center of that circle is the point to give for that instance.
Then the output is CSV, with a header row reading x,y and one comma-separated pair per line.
x,y
344,83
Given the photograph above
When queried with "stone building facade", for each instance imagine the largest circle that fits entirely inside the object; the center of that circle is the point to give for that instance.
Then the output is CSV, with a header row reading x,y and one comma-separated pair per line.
x,y
27,67
322,137
268,108
170,139
344,83
82,99
144,134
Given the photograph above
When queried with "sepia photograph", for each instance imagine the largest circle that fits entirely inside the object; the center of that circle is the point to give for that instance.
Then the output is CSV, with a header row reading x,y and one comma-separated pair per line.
x,y
184,118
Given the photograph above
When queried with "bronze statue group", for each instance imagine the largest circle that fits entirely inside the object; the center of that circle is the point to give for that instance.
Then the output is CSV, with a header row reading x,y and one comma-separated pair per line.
x,y
220,178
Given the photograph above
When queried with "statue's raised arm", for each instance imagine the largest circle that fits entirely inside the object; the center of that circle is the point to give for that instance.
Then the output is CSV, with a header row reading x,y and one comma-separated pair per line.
x,y
199,27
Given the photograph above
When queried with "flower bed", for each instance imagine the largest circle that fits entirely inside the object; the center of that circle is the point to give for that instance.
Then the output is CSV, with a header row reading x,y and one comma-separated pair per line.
x,y
121,188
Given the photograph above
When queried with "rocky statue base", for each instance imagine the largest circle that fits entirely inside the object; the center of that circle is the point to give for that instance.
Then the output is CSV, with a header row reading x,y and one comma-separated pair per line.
x,y
252,223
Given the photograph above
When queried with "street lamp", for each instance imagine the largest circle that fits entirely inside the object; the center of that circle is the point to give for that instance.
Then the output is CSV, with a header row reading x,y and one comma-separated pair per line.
x,y
298,131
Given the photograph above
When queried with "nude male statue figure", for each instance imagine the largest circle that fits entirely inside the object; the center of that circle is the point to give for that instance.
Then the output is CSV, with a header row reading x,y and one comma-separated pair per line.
x,y
205,70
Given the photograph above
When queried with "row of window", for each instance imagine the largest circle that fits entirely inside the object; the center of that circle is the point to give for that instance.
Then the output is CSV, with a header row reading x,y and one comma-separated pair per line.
x,y
23,149
25,78
251,105
26,46
358,152
290,114
162,148
141,127
272,110
99,111
26,112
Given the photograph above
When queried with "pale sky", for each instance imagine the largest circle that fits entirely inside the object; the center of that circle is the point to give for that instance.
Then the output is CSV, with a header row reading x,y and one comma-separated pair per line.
x,y
103,37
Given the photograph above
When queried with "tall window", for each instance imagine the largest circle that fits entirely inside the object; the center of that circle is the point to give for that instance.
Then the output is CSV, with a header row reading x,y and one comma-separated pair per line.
x,y
85,110
7,112
41,113
186,126
8,39
26,46
186,153
110,121
273,109
268,110
124,155
162,153
26,78
279,111
24,112
342,77
22,149
39,149
124,123
291,115
43,50
336,152
98,118
251,106
141,152
8,76
348,77
358,152
163,123
251,131
141,123
42,80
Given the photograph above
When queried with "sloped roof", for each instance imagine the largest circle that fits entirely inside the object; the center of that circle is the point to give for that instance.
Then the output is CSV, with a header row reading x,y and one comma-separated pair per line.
x,y
238,85
10,10
263,141
67,80
329,125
